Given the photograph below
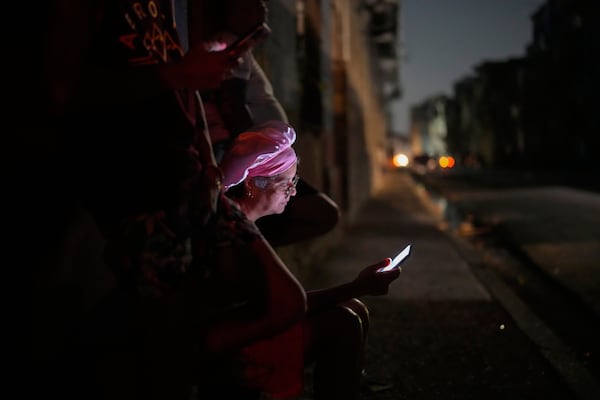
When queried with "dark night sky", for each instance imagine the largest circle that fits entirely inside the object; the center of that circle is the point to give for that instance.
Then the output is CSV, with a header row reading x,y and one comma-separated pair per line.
x,y
443,40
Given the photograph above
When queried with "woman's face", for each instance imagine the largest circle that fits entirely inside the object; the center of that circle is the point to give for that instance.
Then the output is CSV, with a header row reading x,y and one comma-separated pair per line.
x,y
274,197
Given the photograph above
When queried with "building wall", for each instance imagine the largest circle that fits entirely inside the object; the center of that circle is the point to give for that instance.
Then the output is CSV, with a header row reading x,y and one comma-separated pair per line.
x,y
368,124
321,67
320,62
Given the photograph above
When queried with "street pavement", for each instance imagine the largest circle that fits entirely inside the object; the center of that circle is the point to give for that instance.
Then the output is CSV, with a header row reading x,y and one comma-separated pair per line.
x,y
551,220
448,328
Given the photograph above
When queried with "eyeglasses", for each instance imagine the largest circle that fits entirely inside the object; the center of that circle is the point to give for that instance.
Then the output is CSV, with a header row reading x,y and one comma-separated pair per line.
x,y
286,187
291,185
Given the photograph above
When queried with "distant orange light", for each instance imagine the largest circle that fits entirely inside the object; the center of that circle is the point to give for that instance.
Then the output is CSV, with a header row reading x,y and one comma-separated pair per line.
x,y
451,162
443,162
446,162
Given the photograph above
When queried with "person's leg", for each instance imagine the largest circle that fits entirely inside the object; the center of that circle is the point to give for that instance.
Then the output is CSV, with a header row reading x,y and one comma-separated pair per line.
x,y
361,310
335,346
368,383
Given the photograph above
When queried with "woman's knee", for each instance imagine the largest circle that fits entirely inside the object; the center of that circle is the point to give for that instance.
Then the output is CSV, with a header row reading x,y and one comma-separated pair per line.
x,y
360,310
341,325
348,321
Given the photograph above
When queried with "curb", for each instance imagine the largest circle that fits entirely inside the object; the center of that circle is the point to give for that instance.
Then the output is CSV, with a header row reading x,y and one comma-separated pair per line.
x,y
575,375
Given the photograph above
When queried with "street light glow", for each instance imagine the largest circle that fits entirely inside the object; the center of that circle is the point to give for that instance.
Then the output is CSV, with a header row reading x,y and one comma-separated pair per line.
x,y
400,160
446,162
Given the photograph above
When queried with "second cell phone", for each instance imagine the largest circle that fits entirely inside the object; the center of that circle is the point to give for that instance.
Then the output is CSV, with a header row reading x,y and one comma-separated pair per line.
x,y
246,41
397,260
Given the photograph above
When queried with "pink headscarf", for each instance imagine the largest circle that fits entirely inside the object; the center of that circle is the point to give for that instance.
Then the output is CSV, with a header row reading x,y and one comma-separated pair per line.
x,y
263,150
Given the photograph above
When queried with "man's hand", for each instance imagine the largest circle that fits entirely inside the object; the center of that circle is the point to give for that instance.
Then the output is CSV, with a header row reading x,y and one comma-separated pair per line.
x,y
199,69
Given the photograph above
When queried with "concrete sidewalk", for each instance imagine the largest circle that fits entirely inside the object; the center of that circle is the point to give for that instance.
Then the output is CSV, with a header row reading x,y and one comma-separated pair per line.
x,y
447,329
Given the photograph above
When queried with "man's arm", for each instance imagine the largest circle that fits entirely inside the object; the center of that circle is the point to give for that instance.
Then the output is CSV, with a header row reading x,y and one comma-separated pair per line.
x,y
260,97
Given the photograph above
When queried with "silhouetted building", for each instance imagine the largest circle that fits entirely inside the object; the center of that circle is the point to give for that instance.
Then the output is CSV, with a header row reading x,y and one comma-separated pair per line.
x,y
563,82
429,126
502,137
534,111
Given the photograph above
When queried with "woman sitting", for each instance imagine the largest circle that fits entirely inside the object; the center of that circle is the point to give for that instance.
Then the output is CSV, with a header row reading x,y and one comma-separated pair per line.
x,y
260,175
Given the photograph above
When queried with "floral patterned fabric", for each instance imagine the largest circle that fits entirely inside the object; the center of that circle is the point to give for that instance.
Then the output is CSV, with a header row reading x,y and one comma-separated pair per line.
x,y
154,254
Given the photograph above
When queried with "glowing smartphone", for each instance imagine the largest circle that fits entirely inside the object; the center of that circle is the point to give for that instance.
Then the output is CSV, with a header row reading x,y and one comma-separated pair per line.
x,y
248,39
396,261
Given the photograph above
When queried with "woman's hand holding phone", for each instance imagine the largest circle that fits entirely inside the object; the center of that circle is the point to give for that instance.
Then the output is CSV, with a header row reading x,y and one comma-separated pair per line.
x,y
370,281
396,261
